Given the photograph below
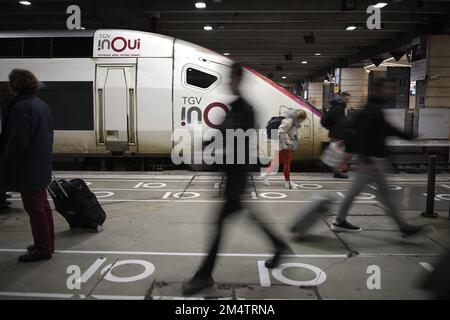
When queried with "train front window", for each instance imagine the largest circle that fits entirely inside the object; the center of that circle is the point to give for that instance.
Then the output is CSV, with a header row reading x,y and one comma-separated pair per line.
x,y
199,78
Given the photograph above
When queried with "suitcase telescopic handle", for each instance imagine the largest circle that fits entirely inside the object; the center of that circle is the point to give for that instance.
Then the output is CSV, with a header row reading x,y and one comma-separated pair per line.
x,y
51,192
61,187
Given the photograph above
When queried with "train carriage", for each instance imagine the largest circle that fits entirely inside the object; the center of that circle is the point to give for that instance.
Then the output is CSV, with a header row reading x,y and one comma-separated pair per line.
x,y
124,93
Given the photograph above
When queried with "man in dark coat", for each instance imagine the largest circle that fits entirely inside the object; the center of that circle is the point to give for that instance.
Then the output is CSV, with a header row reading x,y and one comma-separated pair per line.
x,y
26,161
369,141
240,117
335,121
5,105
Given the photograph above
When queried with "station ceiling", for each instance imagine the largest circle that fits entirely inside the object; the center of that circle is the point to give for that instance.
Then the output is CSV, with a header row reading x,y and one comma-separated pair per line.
x,y
263,34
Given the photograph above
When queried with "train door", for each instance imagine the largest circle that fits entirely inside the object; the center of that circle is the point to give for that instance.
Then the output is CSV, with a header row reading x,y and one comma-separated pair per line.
x,y
305,146
116,108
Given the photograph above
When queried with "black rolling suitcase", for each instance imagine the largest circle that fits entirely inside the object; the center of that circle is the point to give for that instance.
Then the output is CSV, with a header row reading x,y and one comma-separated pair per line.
x,y
77,204
312,213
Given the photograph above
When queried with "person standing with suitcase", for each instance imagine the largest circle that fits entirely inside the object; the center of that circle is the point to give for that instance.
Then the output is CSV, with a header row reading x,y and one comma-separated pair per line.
x,y
240,118
26,162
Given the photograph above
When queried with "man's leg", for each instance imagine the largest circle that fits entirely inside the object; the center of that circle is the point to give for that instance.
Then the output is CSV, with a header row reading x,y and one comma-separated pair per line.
x,y
341,224
383,193
202,279
208,264
49,213
40,227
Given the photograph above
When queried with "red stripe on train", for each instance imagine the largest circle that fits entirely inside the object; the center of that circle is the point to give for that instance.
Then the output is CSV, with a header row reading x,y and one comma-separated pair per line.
x,y
286,92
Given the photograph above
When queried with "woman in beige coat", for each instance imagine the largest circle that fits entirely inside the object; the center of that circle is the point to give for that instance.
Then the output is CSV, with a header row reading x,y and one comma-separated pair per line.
x,y
288,142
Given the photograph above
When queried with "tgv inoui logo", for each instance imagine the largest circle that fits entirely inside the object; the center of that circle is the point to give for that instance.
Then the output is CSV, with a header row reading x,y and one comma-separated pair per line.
x,y
191,110
118,43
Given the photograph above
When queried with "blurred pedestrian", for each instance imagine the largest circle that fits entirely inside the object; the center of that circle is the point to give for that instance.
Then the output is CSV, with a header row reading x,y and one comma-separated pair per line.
x,y
241,117
366,137
335,121
26,162
288,143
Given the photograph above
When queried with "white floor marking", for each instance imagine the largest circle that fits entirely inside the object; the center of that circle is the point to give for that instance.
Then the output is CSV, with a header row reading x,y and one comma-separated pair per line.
x,y
185,254
210,190
186,195
167,195
445,186
273,195
249,255
103,194
114,297
254,196
37,295
91,270
427,266
210,201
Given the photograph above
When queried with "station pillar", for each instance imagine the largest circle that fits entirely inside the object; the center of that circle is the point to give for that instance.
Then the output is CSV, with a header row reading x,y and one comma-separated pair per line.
x,y
432,112
315,94
356,82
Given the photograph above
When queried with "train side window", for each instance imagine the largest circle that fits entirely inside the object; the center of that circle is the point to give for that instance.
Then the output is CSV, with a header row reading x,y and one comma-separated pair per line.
x,y
37,47
11,48
72,47
200,79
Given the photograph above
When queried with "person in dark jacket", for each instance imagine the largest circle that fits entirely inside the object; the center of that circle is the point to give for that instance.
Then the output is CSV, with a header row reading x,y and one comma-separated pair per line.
x,y
5,105
26,161
369,143
335,120
241,117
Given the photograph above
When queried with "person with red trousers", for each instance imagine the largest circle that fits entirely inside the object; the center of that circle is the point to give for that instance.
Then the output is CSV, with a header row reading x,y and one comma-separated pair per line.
x,y
26,161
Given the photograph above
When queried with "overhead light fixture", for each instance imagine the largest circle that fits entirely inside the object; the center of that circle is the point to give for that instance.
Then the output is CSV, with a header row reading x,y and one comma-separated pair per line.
x,y
200,5
350,28
304,62
226,53
317,54
25,3
283,77
380,5
207,28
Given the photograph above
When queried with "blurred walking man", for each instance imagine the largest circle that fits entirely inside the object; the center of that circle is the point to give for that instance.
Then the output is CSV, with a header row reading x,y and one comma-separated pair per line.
x,y
240,117
366,137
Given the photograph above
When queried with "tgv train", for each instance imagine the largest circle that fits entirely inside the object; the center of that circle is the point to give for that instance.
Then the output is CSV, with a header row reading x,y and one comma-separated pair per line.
x,y
122,92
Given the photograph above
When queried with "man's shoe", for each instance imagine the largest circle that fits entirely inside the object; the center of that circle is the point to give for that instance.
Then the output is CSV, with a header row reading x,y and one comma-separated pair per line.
x,y
287,184
345,227
196,284
340,175
32,247
275,261
412,231
36,255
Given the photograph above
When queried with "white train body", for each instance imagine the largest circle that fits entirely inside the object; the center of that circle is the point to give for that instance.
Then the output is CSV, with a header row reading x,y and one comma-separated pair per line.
x,y
136,88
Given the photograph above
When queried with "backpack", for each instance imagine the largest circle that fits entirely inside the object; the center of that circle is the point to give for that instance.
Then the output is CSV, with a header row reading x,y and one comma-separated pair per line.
x,y
353,133
325,120
273,124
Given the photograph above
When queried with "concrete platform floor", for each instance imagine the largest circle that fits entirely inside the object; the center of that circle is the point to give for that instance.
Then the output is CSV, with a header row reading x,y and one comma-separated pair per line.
x,y
158,226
